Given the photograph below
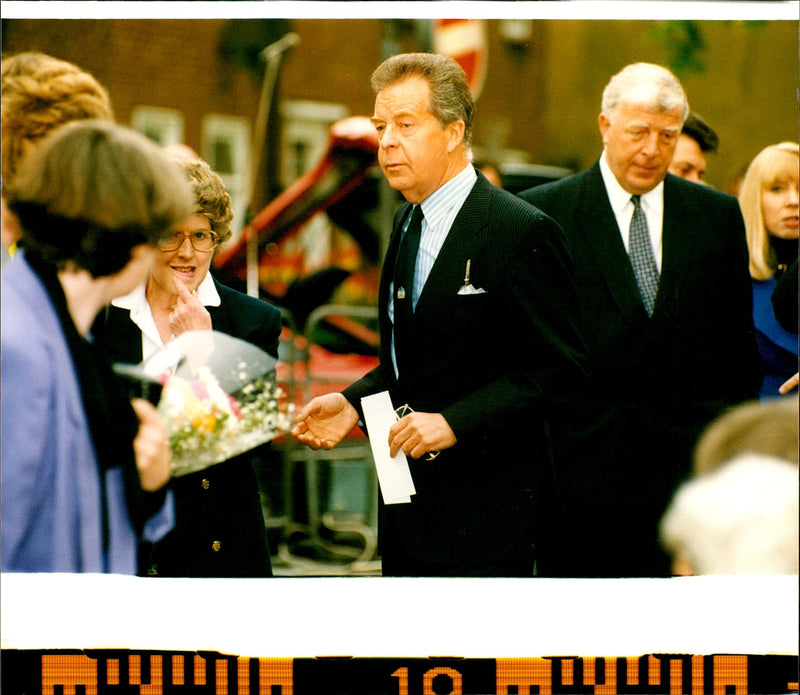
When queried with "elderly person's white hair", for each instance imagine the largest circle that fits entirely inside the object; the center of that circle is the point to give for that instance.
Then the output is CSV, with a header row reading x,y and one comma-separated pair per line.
x,y
741,518
644,84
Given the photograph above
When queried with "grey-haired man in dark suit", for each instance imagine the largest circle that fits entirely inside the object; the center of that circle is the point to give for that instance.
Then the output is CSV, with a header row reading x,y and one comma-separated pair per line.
x,y
669,348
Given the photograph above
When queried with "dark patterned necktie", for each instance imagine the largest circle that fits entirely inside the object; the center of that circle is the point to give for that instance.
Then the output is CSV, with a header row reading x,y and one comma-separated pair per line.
x,y
404,281
642,258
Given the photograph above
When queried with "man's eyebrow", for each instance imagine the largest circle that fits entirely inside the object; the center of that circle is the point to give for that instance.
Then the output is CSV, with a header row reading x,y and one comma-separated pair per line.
x,y
647,126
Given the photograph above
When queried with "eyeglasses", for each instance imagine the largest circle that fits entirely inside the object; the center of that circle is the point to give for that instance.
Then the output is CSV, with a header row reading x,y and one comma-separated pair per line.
x,y
404,410
200,239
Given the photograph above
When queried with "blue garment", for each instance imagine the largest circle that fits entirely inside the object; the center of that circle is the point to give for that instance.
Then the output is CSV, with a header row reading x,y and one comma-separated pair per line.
x,y
777,347
60,513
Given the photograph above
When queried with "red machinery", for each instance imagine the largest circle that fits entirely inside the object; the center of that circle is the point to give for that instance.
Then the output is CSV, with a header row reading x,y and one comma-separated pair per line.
x,y
351,152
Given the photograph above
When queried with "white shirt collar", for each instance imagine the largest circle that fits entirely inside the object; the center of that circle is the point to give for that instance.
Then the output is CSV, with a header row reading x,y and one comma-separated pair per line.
x,y
454,192
142,316
137,300
619,197
207,292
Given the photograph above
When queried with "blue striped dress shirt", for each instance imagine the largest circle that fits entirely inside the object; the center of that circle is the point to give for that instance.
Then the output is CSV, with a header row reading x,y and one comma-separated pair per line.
x,y
440,209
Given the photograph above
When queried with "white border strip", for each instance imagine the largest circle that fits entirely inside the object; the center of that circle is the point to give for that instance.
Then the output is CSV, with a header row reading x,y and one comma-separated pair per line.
x,y
573,9
360,617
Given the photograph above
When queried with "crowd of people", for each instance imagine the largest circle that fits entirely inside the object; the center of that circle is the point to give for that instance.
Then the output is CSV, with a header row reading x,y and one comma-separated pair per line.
x,y
625,425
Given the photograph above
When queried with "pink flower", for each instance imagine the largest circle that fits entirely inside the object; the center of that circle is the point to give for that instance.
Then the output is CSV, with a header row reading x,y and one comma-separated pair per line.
x,y
237,413
199,389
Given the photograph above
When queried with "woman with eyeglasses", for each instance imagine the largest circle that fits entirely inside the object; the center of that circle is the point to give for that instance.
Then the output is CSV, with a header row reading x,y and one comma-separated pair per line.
x,y
219,526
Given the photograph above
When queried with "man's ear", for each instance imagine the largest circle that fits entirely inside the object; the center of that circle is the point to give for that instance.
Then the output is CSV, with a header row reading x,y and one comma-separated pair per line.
x,y
455,132
604,124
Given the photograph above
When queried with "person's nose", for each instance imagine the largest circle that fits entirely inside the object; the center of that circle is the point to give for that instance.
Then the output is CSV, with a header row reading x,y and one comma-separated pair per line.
x,y
794,195
388,137
650,147
186,249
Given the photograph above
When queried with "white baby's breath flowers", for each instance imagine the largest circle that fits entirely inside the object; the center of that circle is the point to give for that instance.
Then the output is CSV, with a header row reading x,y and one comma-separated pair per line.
x,y
207,425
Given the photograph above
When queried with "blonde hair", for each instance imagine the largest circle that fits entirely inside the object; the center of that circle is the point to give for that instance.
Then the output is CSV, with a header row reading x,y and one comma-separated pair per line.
x,y
759,427
210,195
774,163
39,94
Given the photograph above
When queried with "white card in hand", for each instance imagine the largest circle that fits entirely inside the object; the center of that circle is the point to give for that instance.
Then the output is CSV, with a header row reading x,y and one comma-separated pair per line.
x,y
394,476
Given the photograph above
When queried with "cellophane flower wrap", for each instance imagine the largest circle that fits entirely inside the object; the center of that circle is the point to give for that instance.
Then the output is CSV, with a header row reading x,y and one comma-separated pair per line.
x,y
219,398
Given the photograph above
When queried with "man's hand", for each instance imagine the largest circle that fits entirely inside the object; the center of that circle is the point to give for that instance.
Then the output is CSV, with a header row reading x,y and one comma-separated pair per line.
x,y
151,447
325,421
790,384
418,433
189,313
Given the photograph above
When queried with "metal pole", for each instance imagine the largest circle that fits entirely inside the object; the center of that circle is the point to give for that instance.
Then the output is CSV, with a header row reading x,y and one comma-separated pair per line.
x,y
271,55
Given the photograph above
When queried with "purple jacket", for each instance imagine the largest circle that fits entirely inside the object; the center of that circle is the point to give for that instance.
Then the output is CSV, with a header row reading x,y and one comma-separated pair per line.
x,y
52,506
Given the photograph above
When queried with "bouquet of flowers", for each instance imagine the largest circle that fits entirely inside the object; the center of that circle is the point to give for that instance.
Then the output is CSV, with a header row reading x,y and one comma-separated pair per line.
x,y
219,398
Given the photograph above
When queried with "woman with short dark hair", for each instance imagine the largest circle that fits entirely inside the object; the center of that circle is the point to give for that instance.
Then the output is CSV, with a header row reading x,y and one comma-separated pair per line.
x,y
82,465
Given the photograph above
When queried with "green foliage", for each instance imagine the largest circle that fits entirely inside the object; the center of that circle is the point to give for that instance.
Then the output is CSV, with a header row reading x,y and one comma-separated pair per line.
x,y
684,44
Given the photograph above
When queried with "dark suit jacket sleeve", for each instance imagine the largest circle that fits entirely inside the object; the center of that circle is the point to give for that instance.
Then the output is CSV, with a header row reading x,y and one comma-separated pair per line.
x,y
547,362
374,381
740,358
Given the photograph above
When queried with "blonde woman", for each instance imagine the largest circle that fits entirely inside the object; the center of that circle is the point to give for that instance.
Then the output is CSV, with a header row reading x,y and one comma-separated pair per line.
x,y
769,201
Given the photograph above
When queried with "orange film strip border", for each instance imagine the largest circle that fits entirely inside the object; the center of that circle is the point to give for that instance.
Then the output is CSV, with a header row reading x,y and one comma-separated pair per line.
x,y
114,672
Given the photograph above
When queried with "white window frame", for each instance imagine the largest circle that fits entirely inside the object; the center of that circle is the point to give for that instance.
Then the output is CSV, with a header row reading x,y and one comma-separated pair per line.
x,y
236,131
306,122
164,126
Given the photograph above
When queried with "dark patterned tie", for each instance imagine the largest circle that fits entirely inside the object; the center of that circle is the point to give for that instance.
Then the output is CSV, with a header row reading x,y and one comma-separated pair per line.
x,y
642,258
404,281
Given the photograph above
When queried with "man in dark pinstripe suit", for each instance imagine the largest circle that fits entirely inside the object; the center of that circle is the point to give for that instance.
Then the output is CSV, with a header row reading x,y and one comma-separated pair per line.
x,y
491,342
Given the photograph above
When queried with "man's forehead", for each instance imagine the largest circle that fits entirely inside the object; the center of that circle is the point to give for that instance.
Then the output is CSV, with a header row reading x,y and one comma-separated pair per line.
x,y
646,117
400,99
410,85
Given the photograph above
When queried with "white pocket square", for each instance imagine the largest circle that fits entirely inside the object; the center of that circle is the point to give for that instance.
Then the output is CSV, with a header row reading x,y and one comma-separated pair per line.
x,y
469,289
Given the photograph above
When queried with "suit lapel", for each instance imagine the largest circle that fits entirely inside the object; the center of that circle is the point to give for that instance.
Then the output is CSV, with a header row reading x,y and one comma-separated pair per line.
x,y
394,243
127,344
387,273
678,242
464,241
219,316
603,237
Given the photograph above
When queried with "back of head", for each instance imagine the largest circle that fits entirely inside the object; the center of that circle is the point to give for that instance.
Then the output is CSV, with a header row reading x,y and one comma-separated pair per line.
x,y
451,99
742,518
93,190
769,428
39,94
211,196
702,133
774,164
650,86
